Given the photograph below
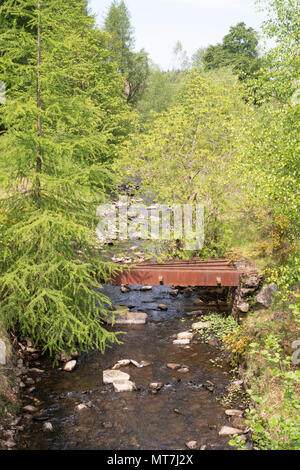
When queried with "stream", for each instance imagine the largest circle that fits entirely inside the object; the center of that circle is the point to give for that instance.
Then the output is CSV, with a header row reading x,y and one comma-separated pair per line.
x,y
183,410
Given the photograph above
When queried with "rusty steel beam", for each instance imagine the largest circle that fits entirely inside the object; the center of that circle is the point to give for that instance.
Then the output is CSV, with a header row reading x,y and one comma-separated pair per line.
x,y
193,272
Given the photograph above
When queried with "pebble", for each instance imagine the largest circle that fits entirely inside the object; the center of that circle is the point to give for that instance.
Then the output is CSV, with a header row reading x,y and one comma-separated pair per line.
x,y
181,341
173,366
238,413
192,445
69,366
162,307
185,335
229,431
183,369
81,407
156,386
30,408
47,427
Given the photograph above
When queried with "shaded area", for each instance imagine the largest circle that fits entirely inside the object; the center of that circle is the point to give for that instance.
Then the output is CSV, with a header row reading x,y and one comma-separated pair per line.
x,y
182,410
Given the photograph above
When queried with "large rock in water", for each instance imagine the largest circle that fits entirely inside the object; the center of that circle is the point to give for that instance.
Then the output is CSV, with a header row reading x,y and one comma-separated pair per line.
x,y
130,318
264,297
113,376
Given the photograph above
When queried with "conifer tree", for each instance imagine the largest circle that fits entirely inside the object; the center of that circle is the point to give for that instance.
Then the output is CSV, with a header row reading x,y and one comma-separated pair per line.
x,y
64,114
133,65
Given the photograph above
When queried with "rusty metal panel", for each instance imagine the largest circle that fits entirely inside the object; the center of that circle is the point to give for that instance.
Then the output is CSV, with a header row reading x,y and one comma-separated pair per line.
x,y
193,272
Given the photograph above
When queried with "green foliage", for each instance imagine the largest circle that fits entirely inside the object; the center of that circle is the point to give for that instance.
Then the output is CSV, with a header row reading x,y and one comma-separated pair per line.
x,y
275,429
184,155
221,326
238,50
64,118
133,65
160,93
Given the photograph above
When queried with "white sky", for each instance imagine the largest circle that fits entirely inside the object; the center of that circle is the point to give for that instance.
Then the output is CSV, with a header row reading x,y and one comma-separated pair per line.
x,y
159,24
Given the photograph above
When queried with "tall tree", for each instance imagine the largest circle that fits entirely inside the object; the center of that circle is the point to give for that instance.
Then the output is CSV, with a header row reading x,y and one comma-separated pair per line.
x,y
239,50
133,65
63,114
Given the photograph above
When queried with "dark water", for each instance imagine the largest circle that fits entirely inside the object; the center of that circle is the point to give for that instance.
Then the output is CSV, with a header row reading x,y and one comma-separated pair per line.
x,y
181,411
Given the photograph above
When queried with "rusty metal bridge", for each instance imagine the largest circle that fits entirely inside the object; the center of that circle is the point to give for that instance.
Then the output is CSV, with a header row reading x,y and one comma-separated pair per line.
x,y
194,272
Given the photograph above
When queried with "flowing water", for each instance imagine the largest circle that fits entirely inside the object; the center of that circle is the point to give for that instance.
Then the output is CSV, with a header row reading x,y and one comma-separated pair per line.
x,y
181,411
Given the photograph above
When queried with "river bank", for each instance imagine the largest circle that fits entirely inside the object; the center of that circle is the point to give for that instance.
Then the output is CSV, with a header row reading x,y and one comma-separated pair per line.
x,y
75,410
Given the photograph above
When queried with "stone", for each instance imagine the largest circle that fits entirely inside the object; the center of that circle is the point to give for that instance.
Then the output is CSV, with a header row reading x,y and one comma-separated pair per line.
x,y
156,386
198,302
192,445
194,313
47,427
265,297
229,431
145,363
29,381
201,325
181,342
239,422
130,318
124,289
65,357
204,447
243,306
113,376
81,407
124,362
69,366
162,307
10,443
251,279
38,371
234,413
185,335
136,363
3,353
126,386
173,366
30,408
145,288
183,370
107,425
174,292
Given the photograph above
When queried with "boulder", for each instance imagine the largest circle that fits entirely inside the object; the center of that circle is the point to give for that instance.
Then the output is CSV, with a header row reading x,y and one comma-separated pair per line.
x,y
130,318
265,297
198,302
113,376
126,386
